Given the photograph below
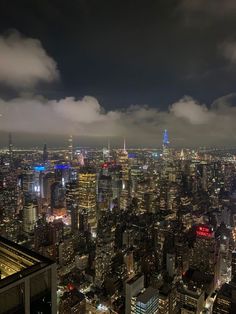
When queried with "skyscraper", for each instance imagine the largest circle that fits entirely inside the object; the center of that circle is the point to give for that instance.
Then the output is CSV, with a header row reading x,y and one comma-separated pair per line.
x,y
165,144
72,203
233,265
45,153
70,147
166,138
29,217
123,161
205,253
87,182
10,148
104,249
146,302
132,288
225,302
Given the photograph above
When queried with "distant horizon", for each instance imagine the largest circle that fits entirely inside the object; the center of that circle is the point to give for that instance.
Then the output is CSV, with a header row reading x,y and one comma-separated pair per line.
x,y
115,147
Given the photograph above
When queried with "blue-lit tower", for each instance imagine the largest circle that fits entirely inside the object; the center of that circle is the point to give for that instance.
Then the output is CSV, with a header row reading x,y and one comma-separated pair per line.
x,y
165,138
165,144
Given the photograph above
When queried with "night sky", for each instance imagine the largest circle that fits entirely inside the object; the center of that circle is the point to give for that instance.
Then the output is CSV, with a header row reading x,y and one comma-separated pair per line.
x,y
99,69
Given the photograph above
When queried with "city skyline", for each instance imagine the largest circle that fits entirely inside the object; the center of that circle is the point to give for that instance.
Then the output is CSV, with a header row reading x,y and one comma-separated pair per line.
x,y
118,157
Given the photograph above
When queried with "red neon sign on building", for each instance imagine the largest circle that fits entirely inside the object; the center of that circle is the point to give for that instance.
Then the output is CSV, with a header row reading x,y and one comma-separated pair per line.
x,y
204,232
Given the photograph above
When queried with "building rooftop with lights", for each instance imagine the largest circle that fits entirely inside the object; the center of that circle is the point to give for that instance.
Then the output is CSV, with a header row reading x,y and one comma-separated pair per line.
x,y
27,280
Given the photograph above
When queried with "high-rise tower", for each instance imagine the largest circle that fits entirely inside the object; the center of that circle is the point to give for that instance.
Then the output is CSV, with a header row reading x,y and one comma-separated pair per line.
x,y
45,153
165,144
70,147
10,148
87,184
165,138
123,161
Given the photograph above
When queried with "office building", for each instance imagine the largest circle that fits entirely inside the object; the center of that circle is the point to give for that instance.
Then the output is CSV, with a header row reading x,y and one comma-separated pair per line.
x,y
87,196
225,302
132,288
146,302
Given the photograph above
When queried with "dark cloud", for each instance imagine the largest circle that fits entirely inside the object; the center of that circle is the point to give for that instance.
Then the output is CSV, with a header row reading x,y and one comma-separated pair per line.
x,y
189,122
229,51
128,52
136,59
213,8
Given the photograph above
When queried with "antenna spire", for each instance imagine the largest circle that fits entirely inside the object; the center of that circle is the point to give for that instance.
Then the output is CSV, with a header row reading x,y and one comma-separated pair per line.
x,y
124,145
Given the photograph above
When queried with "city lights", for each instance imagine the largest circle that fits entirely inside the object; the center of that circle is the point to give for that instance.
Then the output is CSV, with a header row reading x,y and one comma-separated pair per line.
x,y
118,157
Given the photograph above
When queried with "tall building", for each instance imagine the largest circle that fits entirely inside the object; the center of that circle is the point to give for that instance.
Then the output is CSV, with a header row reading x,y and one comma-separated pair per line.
x,y
233,265
123,161
105,242
58,195
72,203
27,282
132,288
10,149
45,153
225,302
104,192
72,302
66,252
87,183
129,263
29,216
165,144
146,302
191,300
167,303
28,182
205,253
70,148
48,181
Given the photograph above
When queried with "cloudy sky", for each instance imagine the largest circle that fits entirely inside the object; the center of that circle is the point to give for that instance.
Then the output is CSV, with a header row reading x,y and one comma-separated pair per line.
x,y
107,68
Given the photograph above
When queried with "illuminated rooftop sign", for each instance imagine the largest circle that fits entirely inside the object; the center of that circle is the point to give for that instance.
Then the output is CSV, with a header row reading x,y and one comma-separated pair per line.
x,y
62,167
106,165
39,168
204,232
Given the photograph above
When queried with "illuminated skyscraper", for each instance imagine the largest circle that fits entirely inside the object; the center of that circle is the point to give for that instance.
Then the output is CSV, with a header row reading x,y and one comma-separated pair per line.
x,y
132,288
70,147
45,153
9,201
104,249
165,144
166,138
58,195
29,216
205,253
72,203
10,148
225,302
104,192
87,183
123,161
233,265
146,302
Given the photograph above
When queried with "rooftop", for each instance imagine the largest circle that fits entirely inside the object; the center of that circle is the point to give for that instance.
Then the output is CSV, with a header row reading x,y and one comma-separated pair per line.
x,y
17,262
148,294
133,279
